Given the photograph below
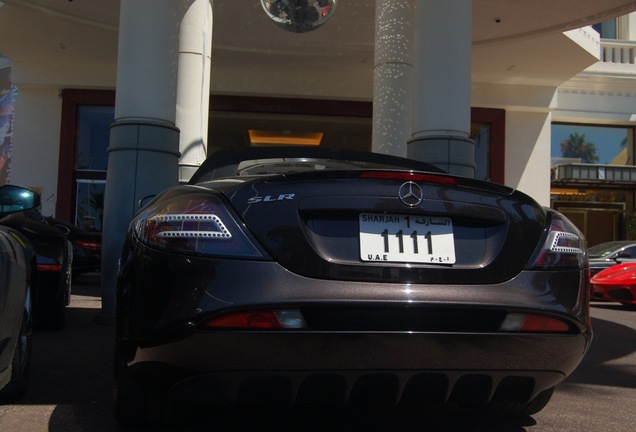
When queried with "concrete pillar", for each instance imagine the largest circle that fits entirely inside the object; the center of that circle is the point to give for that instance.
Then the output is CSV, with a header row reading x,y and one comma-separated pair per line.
x,y
193,87
528,144
143,152
441,86
392,79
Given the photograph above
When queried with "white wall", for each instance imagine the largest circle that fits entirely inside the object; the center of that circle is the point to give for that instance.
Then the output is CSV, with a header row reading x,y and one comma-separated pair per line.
x,y
609,101
528,153
278,80
528,133
36,142
630,31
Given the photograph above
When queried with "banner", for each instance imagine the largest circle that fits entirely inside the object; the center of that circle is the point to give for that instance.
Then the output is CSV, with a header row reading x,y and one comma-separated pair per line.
x,y
8,94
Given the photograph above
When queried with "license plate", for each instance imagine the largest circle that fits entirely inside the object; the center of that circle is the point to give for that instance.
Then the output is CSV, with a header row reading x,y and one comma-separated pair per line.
x,y
406,238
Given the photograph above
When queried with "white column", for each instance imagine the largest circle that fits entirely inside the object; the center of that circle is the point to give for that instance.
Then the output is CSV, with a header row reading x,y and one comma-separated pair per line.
x,y
193,88
144,143
441,86
392,79
528,143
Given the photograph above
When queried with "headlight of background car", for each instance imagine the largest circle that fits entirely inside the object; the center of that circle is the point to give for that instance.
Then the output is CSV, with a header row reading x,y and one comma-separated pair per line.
x,y
564,246
194,223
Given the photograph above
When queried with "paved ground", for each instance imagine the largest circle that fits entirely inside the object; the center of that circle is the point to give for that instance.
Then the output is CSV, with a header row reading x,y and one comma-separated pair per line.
x,y
70,389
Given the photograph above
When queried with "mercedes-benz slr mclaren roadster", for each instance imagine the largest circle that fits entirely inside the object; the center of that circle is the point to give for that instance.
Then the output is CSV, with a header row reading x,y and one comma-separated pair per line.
x,y
321,276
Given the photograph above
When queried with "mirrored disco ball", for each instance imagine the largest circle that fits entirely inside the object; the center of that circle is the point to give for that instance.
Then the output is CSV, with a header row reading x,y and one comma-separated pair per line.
x,y
299,16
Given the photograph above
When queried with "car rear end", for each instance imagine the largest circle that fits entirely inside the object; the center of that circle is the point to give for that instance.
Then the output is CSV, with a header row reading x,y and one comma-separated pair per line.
x,y
54,257
87,246
352,287
616,284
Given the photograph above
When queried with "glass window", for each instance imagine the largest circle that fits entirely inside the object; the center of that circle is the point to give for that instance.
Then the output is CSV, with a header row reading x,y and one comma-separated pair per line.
x,y
607,145
607,29
89,210
480,133
91,160
93,134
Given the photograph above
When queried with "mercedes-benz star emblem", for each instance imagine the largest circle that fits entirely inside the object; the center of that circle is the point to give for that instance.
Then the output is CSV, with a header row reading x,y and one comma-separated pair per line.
x,y
410,194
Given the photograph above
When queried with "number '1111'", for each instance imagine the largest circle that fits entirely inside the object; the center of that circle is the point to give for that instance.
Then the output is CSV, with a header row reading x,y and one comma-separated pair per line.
x,y
400,236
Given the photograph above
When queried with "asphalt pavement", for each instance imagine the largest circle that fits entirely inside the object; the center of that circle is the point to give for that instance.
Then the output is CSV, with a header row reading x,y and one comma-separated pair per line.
x,y
71,381
71,372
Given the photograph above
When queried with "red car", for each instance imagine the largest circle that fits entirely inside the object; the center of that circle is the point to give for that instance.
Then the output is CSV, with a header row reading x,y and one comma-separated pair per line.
x,y
617,284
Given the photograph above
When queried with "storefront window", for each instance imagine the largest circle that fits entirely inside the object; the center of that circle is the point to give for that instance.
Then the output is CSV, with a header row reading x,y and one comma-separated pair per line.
x,y
89,209
592,178
480,133
91,160
92,137
606,145
607,29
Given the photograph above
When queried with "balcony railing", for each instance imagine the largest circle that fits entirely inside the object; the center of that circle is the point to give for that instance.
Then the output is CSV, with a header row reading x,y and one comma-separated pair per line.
x,y
592,174
618,51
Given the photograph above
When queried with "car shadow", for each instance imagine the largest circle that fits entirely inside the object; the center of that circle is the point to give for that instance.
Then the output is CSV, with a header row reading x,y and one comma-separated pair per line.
x,y
205,418
71,369
611,341
87,284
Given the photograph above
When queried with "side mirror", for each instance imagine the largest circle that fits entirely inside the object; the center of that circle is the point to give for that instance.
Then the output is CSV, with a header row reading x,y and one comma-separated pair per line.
x,y
622,255
61,228
14,199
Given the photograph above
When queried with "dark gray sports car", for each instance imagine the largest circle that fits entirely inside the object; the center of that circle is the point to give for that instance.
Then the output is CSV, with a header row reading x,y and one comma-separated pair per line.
x,y
54,255
16,267
310,276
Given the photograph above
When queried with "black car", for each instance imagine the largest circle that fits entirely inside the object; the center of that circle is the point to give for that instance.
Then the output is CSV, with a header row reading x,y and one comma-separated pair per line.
x,y
54,256
311,275
605,255
17,267
87,246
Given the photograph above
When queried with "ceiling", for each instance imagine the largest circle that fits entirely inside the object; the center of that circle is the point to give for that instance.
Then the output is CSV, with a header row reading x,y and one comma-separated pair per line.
x,y
513,40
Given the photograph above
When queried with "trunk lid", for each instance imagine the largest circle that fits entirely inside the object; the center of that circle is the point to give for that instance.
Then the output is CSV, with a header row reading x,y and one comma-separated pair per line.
x,y
311,224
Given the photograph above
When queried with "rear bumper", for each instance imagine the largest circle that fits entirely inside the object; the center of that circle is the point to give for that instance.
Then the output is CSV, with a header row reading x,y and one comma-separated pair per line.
x,y
162,299
622,294
164,292
235,367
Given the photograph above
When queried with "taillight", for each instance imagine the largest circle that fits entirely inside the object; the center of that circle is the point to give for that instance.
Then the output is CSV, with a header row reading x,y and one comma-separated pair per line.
x,y
407,176
90,245
564,246
527,323
289,319
49,267
194,223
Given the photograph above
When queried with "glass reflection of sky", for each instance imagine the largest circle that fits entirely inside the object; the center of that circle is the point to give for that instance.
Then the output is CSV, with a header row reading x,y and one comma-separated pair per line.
x,y
608,141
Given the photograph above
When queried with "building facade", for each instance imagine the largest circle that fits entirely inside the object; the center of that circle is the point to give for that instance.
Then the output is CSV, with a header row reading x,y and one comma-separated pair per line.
x,y
593,173
559,85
